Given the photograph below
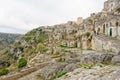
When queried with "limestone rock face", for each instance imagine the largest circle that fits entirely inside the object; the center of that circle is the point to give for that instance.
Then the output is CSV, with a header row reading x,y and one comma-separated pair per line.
x,y
71,60
116,59
96,58
52,70
96,73
70,67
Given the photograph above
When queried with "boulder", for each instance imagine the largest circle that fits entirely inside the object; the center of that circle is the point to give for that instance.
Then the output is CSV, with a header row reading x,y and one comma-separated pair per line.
x,y
116,59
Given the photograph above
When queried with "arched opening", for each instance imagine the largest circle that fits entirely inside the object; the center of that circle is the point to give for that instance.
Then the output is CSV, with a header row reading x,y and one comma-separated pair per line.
x,y
104,28
110,31
98,31
117,24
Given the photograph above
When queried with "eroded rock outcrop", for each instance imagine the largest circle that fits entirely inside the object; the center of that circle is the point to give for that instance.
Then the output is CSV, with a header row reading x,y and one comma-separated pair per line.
x,y
52,70
92,58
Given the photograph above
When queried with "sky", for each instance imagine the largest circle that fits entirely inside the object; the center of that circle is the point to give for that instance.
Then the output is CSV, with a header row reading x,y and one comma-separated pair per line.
x,y
20,16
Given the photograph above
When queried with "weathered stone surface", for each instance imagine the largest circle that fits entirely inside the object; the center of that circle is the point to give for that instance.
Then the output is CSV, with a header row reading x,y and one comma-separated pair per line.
x,y
70,67
71,60
90,58
111,76
96,58
105,58
73,55
103,42
96,73
118,53
116,59
52,70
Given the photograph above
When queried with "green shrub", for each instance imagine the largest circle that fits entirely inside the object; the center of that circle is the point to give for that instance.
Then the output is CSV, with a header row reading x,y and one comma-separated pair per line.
x,y
4,72
61,74
27,38
62,46
22,63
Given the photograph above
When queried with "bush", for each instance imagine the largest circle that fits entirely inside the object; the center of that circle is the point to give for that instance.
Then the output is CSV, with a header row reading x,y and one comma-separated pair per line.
x,y
61,74
62,46
22,63
4,72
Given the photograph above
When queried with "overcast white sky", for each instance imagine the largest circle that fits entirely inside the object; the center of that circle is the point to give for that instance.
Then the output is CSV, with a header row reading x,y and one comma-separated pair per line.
x,y
20,16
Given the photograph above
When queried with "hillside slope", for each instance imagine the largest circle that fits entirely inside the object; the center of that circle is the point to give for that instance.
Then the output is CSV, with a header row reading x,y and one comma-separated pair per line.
x,y
6,39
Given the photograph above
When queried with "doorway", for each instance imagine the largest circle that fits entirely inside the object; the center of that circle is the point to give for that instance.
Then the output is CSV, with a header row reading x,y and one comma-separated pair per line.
x,y
110,31
104,29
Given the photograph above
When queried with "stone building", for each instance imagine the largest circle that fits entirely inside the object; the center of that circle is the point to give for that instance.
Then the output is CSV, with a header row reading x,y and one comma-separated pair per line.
x,y
110,5
79,20
109,26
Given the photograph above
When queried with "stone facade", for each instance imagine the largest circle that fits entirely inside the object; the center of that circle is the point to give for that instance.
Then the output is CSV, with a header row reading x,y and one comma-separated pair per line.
x,y
110,5
79,20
